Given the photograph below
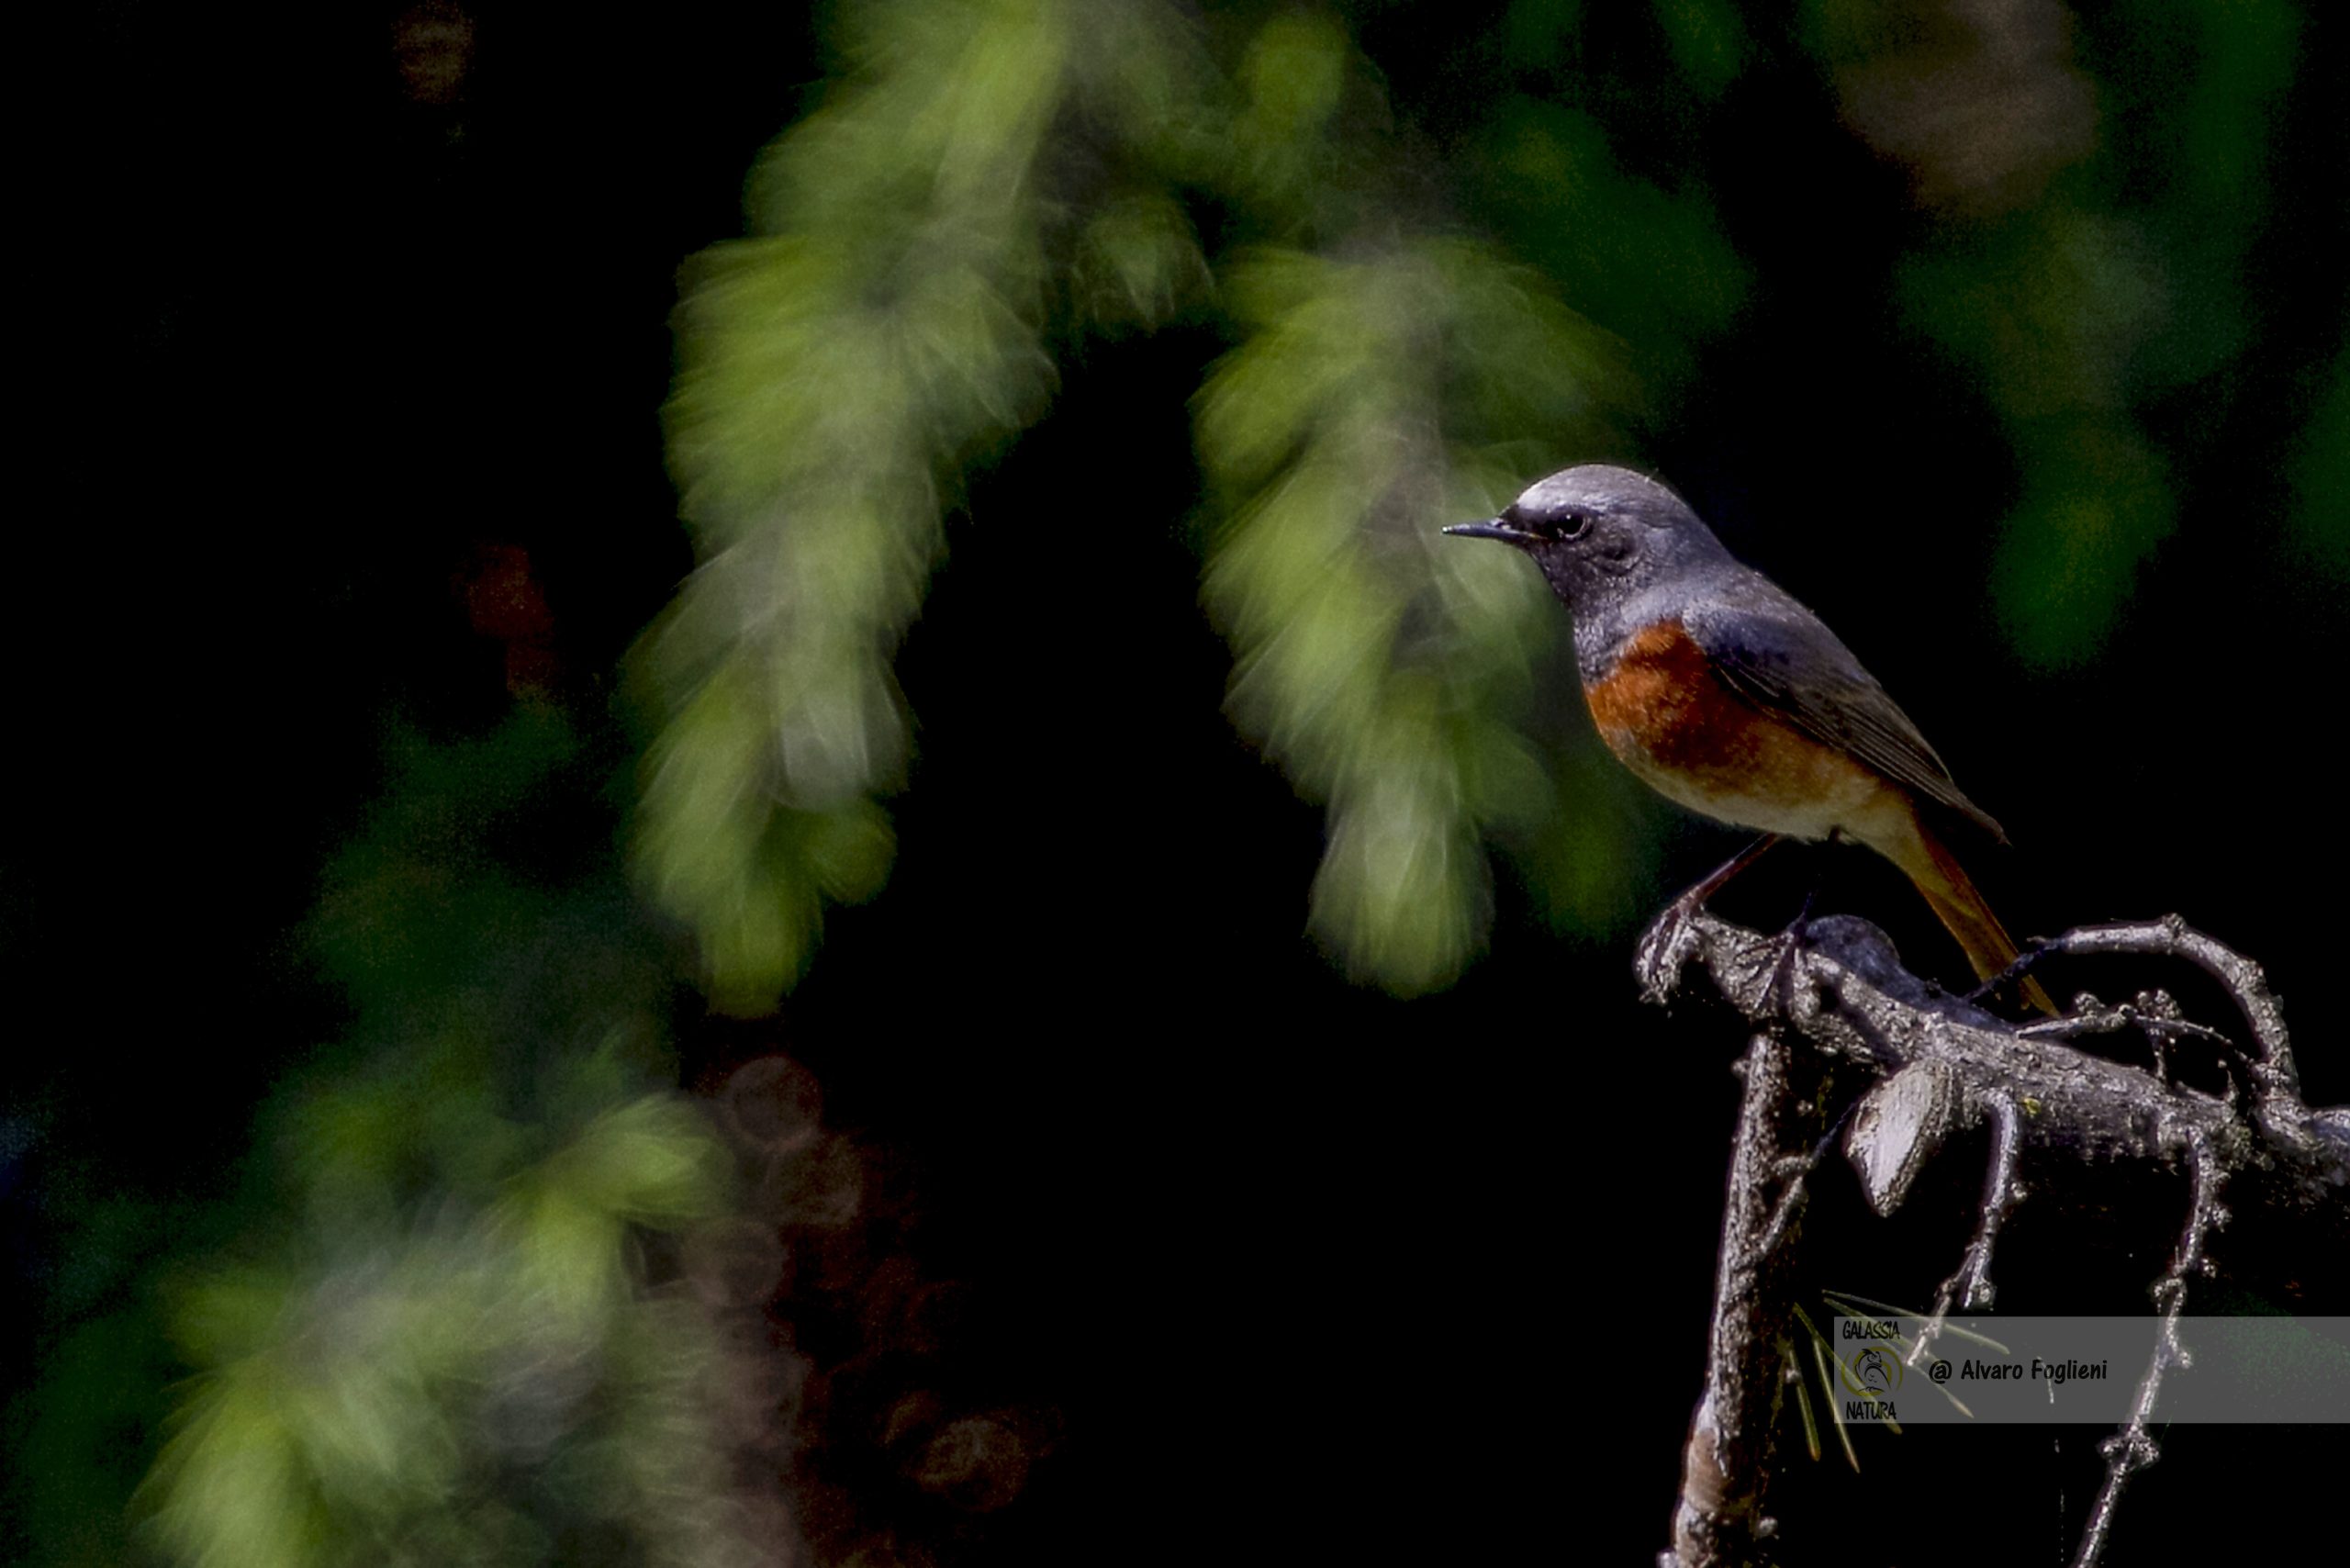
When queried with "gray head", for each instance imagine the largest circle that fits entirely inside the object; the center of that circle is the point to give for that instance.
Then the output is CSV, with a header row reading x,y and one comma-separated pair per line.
x,y
1602,535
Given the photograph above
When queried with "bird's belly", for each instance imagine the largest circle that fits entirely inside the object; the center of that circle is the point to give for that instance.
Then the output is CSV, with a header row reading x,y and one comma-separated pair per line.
x,y
1767,805
1672,722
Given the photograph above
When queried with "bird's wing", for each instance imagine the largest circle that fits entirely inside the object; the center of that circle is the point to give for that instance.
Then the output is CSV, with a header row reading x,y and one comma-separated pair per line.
x,y
1780,656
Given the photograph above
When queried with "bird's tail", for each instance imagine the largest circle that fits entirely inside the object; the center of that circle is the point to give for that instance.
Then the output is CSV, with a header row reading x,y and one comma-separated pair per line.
x,y
1962,908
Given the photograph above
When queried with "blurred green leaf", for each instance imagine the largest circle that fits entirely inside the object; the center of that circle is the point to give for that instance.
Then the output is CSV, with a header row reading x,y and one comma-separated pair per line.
x,y
1292,78
2070,551
833,374
338,1402
2054,313
1649,264
1709,43
1380,664
651,1161
1139,262
2049,311
1591,863
78,1443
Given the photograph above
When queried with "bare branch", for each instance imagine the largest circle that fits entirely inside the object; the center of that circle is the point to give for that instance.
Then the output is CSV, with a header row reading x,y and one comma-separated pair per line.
x,y
1944,1065
1720,1516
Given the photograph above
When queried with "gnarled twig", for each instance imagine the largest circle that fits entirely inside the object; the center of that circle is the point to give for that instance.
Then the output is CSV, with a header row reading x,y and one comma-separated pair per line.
x,y
1944,1065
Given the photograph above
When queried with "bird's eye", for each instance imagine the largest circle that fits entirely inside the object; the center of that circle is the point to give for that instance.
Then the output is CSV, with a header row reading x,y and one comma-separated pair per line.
x,y
1551,526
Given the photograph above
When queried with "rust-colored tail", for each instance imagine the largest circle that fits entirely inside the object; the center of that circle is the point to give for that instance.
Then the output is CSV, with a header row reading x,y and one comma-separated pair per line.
x,y
1960,908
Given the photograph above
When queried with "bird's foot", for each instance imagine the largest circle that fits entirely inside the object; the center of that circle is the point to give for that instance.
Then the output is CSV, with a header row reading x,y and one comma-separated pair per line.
x,y
1670,938
1670,942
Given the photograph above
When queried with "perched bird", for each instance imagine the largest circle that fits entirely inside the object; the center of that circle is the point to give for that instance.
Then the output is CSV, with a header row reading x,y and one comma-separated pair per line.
x,y
1730,698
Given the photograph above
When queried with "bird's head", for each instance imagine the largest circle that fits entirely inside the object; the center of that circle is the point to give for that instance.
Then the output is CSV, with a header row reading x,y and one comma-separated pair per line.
x,y
1601,534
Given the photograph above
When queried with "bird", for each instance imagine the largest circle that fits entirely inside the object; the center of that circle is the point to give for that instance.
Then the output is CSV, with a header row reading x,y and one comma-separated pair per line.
x,y
1721,691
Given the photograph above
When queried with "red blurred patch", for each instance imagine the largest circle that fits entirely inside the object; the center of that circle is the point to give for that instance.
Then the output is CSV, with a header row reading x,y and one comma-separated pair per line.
x,y
503,600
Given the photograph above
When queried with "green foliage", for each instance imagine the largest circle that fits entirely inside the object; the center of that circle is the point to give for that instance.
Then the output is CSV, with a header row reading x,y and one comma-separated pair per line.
x,y
448,1353
2079,286
80,1442
1708,41
994,175
2055,308
1649,263
885,327
1291,79
1376,663
358,1402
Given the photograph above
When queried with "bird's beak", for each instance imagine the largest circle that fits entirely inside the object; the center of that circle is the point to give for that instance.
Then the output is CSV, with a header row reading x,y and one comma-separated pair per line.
x,y
1493,528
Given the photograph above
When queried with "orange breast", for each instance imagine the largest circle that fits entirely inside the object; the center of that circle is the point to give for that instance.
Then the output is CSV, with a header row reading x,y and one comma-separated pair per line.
x,y
1673,721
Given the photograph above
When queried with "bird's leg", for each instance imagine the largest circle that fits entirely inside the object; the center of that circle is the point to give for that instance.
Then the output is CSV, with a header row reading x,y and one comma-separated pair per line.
x,y
1669,939
1690,901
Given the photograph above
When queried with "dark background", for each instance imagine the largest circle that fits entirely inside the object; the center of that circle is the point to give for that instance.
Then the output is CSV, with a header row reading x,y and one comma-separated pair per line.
x,y
1284,1259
